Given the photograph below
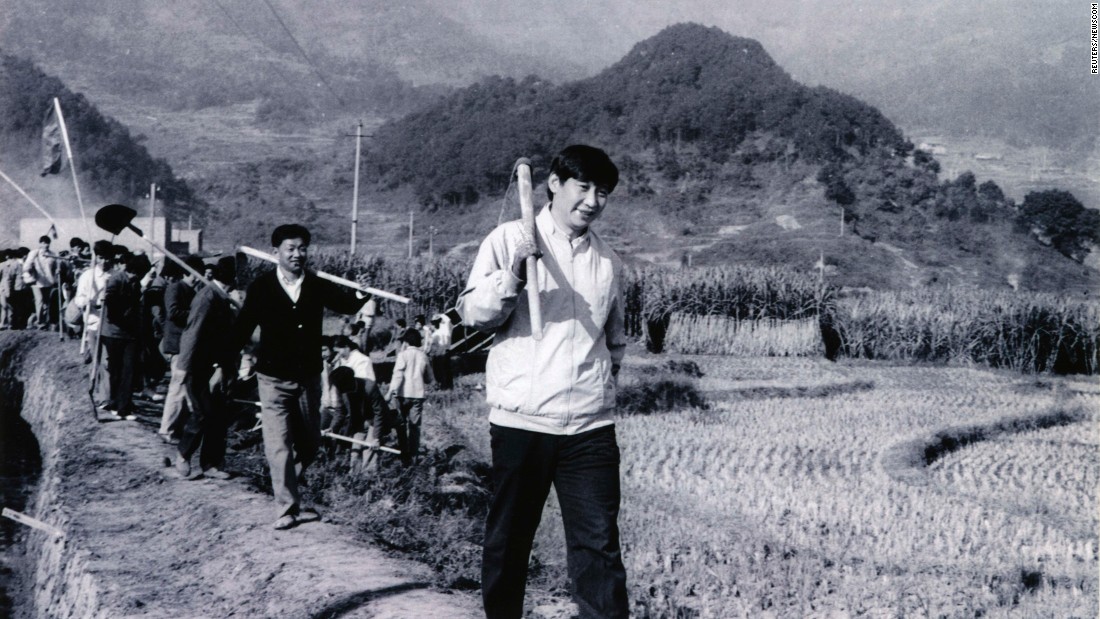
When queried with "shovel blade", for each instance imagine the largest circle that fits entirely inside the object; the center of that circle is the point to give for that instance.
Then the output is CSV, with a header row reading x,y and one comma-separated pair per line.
x,y
114,218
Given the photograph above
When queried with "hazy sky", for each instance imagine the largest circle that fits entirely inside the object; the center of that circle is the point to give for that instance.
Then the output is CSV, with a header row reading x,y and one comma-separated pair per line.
x,y
817,40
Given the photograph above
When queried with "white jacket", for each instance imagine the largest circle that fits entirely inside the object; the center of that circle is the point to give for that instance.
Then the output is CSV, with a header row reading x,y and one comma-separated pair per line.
x,y
562,384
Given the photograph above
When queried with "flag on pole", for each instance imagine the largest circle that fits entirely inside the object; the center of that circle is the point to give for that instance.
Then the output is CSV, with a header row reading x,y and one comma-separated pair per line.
x,y
51,144
52,232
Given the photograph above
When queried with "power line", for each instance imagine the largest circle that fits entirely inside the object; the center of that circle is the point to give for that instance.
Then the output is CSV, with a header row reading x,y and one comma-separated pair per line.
x,y
301,50
257,40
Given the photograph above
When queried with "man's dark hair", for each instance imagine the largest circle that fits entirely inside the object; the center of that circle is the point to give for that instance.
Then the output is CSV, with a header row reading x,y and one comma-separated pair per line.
x,y
76,241
412,338
171,270
119,254
225,270
342,341
21,252
289,231
342,379
138,264
195,262
326,340
587,164
44,239
103,248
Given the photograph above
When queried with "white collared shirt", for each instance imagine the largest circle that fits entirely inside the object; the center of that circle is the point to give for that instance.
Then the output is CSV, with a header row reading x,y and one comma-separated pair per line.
x,y
292,286
360,364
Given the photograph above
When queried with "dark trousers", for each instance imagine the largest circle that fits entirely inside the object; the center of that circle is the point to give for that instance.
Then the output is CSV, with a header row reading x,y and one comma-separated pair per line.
x,y
122,356
408,428
584,470
206,425
441,368
22,306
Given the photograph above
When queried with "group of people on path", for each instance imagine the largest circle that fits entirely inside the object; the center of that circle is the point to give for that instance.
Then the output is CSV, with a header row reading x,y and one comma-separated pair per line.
x,y
36,284
551,399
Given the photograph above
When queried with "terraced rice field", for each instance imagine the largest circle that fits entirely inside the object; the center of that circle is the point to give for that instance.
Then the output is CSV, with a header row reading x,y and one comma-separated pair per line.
x,y
774,504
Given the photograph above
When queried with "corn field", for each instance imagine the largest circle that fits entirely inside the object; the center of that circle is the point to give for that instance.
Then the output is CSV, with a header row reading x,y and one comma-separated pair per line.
x,y
1025,332
772,311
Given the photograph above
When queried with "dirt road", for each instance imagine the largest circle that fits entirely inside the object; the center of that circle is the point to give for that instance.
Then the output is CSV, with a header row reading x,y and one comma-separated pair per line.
x,y
141,543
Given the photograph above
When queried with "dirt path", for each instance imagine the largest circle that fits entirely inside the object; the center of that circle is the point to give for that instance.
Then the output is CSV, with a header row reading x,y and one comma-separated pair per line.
x,y
157,546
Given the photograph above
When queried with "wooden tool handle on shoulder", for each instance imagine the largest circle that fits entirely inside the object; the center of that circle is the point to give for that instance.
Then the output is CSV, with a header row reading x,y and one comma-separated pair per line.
x,y
255,253
527,210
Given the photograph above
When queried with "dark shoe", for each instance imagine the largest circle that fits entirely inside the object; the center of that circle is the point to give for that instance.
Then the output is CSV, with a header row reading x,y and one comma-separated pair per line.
x,y
308,515
215,473
285,522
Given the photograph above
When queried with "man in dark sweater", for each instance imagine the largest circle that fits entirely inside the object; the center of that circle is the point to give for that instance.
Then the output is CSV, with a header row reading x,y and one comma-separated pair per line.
x,y
287,304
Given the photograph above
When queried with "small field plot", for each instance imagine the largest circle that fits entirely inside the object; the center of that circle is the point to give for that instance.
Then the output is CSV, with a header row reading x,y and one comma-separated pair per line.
x,y
810,489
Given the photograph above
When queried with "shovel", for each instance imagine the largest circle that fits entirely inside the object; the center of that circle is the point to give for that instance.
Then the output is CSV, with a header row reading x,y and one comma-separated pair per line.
x,y
527,213
115,218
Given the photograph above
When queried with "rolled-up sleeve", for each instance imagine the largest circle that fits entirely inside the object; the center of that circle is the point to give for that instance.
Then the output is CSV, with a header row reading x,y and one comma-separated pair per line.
x,y
491,291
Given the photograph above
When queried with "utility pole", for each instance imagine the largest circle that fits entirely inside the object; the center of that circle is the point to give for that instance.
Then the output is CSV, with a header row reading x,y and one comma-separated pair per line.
x,y
431,241
355,188
842,221
153,209
410,234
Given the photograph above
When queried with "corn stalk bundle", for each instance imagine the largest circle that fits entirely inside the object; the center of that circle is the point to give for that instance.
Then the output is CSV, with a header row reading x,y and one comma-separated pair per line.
x,y
764,337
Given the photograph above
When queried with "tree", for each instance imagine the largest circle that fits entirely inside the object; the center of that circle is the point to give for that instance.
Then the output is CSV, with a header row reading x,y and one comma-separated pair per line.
x,y
924,159
1060,217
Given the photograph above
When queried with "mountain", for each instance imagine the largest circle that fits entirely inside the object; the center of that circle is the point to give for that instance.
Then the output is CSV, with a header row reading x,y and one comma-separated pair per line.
x,y
690,89
305,60
726,158
113,163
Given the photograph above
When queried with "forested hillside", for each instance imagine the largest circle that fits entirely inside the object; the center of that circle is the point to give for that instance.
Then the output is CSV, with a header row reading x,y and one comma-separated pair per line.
x,y
690,96
725,158
113,163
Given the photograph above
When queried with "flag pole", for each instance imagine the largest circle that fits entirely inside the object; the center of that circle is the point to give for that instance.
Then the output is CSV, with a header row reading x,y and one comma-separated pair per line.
x,y
355,189
72,165
29,199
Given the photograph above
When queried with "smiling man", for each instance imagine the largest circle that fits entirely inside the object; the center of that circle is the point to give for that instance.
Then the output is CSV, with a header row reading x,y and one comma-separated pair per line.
x,y
287,304
552,400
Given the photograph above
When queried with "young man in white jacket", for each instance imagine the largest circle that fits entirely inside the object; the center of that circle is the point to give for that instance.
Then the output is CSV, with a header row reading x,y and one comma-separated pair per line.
x,y
552,401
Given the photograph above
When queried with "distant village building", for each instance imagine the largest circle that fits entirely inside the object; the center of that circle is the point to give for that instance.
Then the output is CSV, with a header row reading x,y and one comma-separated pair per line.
x,y
988,157
156,229
188,238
